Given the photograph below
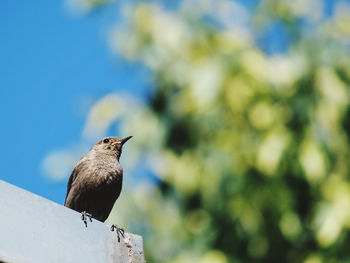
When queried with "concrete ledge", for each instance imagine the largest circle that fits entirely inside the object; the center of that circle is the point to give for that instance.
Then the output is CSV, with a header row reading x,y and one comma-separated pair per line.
x,y
34,230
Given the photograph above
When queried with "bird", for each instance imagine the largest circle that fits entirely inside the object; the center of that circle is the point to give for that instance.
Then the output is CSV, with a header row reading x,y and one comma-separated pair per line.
x,y
96,181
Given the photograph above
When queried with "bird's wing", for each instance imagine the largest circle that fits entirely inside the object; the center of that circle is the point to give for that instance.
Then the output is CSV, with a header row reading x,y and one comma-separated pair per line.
x,y
72,177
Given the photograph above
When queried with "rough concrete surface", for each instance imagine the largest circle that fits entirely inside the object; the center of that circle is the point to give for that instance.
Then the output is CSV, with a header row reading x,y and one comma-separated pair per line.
x,y
34,230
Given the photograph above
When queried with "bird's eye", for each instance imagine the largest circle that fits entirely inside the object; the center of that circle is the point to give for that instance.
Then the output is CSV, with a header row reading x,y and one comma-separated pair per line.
x,y
105,141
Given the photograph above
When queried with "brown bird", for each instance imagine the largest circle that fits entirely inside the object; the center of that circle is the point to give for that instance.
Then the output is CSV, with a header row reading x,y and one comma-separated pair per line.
x,y
96,181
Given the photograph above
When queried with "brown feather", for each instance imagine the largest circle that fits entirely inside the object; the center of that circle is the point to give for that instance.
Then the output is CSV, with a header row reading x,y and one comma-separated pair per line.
x,y
96,181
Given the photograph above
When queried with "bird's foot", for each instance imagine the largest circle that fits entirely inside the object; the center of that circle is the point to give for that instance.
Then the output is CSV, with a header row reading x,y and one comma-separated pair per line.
x,y
84,216
120,231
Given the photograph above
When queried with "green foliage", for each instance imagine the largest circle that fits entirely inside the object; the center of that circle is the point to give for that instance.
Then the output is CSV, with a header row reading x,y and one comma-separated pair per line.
x,y
252,149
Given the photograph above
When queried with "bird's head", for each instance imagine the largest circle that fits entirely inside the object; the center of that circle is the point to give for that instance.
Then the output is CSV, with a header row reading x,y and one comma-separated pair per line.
x,y
111,145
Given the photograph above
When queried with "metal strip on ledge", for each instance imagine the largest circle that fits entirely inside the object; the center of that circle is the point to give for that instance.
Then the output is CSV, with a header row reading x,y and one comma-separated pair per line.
x,y
34,230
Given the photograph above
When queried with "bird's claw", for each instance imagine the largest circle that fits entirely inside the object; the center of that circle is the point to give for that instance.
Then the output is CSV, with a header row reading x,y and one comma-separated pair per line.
x,y
120,231
84,216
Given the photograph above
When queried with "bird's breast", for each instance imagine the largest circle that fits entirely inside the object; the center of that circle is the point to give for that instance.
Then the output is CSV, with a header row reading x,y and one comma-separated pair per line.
x,y
103,170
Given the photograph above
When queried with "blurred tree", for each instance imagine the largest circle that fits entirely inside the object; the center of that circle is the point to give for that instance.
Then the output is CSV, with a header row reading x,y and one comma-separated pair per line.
x,y
250,146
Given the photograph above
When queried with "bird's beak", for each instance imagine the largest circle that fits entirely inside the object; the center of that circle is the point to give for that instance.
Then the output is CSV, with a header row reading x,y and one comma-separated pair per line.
x,y
124,140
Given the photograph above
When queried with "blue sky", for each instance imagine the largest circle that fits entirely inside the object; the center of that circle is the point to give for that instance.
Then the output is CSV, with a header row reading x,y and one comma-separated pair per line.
x,y
53,66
